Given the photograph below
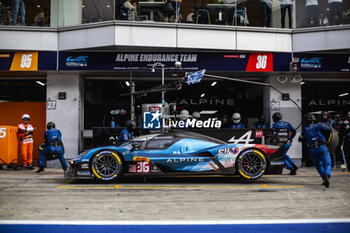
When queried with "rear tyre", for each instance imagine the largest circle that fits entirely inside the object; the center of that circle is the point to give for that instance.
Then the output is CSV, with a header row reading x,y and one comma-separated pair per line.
x,y
251,164
106,165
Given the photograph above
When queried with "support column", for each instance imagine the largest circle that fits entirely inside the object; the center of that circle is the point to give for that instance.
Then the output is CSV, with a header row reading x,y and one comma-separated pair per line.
x,y
273,103
66,113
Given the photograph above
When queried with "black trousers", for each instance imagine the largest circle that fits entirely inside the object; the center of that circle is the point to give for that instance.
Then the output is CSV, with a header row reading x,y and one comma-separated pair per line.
x,y
285,8
265,15
312,14
335,8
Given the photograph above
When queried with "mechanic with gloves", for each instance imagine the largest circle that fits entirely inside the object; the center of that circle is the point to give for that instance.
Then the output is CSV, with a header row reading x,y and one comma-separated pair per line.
x,y
237,124
280,125
314,136
261,123
52,145
128,132
25,134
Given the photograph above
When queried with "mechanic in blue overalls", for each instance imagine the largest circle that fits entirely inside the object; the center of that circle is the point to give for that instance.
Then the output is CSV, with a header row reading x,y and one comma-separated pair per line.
x,y
52,146
330,123
314,137
261,123
278,125
128,132
237,124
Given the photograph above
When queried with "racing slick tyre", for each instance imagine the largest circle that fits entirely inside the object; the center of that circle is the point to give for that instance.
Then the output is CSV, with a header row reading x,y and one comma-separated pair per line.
x,y
106,165
251,164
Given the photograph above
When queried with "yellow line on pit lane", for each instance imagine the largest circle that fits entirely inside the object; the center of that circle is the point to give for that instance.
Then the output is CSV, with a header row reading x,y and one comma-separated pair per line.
x,y
180,187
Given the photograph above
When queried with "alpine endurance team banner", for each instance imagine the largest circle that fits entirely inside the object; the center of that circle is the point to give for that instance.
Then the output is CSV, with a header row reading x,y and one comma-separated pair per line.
x,y
28,61
107,61
243,62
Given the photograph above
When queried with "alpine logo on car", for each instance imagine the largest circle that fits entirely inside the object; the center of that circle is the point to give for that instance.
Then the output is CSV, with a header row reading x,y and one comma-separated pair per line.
x,y
188,160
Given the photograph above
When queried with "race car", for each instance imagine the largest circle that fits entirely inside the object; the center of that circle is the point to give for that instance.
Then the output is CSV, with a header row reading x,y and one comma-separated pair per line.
x,y
177,153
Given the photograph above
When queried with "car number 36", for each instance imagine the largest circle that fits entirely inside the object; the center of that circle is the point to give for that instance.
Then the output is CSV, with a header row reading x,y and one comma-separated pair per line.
x,y
139,167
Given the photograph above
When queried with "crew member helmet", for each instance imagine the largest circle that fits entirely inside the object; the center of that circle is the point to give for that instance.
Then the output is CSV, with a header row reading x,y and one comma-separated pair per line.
x,y
130,125
262,118
324,113
277,116
236,118
184,114
196,115
50,125
310,119
25,116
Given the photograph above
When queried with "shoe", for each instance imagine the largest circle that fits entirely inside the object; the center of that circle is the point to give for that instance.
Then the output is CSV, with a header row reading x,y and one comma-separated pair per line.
x,y
326,181
41,169
293,170
343,166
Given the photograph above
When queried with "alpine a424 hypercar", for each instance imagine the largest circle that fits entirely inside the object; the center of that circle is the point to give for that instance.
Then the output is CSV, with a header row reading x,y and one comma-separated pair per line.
x,y
177,153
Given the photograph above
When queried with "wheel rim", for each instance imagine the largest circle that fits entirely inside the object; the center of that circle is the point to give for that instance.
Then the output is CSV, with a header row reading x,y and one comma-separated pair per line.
x,y
252,164
106,165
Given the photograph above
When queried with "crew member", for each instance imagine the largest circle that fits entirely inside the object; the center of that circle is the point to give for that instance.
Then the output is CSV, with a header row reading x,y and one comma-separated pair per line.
x,y
314,136
329,123
25,134
326,120
128,132
280,125
52,145
261,123
346,144
237,124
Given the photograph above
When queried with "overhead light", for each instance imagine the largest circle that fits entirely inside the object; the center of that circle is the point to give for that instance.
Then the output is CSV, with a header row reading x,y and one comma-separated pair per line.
x,y
344,94
82,6
127,83
38,6
202,95
40,83
302,83
213,84
208,112
108,6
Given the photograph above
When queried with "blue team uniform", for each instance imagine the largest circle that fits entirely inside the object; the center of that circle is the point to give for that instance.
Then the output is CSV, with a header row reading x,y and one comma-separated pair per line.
x,y
240,125
286,125
125,136
258,125
53,145
316,141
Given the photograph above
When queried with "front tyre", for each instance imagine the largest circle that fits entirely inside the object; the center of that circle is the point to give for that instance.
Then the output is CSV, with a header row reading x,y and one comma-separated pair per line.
x,y
251,164
106,165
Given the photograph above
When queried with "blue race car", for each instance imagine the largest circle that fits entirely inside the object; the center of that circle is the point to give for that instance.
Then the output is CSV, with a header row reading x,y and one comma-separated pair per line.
x,y
177,153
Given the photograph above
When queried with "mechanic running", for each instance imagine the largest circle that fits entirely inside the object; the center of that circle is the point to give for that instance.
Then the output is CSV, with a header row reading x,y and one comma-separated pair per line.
x,y
313,135
128,132
280,125
52,145
25,134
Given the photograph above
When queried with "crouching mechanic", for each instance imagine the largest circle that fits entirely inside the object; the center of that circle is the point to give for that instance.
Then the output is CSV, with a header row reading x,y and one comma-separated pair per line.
x,y
52,146
314,136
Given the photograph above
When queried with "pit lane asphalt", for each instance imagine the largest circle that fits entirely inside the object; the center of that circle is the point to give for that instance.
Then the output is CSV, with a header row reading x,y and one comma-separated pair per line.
x,y
26,195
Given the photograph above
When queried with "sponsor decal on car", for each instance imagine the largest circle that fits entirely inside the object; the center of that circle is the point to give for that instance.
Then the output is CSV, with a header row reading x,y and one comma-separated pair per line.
x,y
187,160
228,150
